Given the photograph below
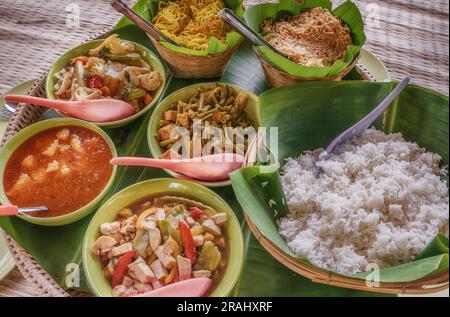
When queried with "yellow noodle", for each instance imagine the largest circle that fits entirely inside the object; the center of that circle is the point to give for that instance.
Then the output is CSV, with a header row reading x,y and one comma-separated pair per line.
x,y
191,23
313,38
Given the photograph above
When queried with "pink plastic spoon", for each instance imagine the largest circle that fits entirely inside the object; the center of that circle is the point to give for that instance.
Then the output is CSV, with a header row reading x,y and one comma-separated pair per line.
x,y
96,110
194,287
11,210
206,168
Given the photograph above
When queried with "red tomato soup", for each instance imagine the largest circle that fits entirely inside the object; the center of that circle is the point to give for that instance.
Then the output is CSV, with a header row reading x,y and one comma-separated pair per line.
x,y
62,168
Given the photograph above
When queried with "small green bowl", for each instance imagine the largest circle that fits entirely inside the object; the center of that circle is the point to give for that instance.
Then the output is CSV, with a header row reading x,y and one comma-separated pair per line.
x,y
17,140
185,93
101,286
147,55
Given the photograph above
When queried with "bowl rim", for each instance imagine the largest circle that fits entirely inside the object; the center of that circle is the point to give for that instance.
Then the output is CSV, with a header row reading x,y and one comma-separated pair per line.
x,y
238,257
152,124
37,128
151,55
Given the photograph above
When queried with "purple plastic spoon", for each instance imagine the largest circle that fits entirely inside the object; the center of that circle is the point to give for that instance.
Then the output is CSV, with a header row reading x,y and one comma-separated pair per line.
x,y
363,124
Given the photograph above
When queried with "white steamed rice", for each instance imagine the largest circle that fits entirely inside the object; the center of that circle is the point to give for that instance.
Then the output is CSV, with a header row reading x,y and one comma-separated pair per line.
x,y
380,200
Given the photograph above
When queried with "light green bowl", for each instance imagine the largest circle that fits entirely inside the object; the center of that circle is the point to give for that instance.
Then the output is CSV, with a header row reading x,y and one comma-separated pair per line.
x,y
101,286
17,140
185,93
147,55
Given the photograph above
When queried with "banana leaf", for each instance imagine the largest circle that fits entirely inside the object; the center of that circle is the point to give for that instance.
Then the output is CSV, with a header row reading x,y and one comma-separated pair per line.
x,y
149,8
57,247
348,12
307,118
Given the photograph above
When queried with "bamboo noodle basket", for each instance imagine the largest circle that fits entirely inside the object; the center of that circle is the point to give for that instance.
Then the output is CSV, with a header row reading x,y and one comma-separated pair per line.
x,y
427,285
277,77
188,66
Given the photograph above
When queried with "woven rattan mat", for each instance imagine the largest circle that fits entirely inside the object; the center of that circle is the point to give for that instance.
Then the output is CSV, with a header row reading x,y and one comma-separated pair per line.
x,y
410,36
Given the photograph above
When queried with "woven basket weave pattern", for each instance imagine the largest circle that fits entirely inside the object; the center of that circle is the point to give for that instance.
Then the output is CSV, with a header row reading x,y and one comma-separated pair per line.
x,y
411,37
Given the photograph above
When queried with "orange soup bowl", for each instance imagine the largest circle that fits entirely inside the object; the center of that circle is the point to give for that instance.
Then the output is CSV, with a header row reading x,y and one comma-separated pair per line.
x,y
42,159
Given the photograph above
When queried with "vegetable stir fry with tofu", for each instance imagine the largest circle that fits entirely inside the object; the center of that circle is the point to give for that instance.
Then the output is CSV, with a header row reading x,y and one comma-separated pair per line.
x,y
160,241
224,123
112,70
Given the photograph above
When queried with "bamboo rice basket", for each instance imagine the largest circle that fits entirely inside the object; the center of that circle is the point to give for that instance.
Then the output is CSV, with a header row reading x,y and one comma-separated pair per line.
x,y
188,66
277,77
427,285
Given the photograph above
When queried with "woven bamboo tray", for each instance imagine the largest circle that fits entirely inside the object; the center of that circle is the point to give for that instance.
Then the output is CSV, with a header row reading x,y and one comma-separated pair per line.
x,y
45,285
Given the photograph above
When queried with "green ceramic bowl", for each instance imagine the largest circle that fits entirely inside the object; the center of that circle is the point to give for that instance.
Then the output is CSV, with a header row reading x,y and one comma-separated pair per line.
x,y
185,93
101,286
83,49
11,146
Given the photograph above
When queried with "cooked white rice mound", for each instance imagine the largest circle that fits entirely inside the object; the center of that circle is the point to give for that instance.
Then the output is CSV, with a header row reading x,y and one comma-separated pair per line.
x,y
380,200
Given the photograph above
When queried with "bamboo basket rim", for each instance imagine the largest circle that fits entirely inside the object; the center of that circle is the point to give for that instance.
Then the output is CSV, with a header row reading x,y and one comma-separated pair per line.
x,y
341,74
427,285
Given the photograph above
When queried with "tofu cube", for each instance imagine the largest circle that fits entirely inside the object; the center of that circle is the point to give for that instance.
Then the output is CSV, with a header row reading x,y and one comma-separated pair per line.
x,y
164,254
183,119
121,249
170,115
220,218
158,269
184,268
210,226
108,228
165,132
201,273
144,273
154,237
199,240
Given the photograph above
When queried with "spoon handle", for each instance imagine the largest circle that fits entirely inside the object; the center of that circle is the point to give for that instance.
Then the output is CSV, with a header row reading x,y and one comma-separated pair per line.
x,y
362,125
54,104
149,28
142,161
228,16
9,210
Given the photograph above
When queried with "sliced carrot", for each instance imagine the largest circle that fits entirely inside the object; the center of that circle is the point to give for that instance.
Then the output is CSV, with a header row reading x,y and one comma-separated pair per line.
x,y
173,271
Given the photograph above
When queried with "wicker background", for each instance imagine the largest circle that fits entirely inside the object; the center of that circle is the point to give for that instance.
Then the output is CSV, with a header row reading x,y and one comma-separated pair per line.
x,y
410,36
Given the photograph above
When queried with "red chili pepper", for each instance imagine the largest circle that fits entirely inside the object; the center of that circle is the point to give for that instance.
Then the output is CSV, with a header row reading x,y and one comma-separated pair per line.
x,y
121,268
188,242
96,82
195,213
83,59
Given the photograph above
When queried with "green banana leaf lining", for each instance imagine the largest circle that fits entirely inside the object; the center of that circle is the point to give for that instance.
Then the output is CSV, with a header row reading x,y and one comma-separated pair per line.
x,y
149,8
307,119
348,12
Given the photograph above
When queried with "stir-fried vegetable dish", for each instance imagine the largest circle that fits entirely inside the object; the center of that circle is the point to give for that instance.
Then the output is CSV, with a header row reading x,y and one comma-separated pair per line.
x,y
221,107
160,241
112,70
